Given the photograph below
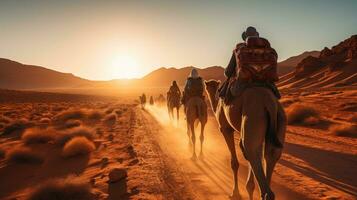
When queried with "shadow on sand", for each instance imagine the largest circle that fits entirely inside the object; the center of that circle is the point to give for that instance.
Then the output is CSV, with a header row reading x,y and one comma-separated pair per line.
x,y
335,169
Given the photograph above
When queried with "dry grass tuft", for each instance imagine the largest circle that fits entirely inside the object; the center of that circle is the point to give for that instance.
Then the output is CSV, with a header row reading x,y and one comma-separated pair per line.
x,y
77,146
344,130
2,153
4,119
71,188
69,114
17,125
36,136
45,120
78,131
95,115
299,113
71,124
110,119
23,155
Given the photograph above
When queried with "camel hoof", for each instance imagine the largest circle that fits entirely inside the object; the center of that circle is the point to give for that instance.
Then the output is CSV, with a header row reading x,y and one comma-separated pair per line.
x,y
194,158
269,196
235,195
201,157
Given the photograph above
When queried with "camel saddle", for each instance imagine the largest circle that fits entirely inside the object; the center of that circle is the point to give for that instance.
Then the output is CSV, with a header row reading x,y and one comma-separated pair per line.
x,y
256,61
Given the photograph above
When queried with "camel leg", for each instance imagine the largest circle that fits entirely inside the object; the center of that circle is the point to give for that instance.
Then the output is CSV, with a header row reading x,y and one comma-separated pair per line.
x,y
228,134
253,138
189,136
193,138
250,185
178,115
202,137
271,153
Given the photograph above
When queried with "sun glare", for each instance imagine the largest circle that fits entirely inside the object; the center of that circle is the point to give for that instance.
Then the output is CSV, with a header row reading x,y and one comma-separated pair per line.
x,y
125,67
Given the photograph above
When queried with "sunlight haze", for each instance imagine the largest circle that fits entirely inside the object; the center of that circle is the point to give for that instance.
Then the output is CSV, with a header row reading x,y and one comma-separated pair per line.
x,y
103,40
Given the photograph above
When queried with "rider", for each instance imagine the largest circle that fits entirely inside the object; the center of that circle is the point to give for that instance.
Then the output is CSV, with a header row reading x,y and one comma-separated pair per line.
x,y
194,87
231,70
174,90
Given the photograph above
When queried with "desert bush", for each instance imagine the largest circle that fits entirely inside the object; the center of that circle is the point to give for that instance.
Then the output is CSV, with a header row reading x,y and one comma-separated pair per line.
x,y
94,115
109,110
110,119
23,155
17,125
4,119
70,188
45,120
69,114
36,135
78,131
2,153
77,146
298,113
346,130
71,124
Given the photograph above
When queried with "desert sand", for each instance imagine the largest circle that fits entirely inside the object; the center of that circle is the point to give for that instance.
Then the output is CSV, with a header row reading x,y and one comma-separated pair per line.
x,y
111,149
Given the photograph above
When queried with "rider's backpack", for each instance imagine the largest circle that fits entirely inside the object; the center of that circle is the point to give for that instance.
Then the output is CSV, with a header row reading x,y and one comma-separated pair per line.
x,y
256,60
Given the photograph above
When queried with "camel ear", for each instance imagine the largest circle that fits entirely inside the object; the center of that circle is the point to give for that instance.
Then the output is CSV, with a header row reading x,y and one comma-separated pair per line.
x,y
219,81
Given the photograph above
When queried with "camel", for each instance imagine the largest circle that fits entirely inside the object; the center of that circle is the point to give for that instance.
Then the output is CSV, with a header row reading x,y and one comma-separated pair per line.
x,y
261,121
173,101
196,111
142,99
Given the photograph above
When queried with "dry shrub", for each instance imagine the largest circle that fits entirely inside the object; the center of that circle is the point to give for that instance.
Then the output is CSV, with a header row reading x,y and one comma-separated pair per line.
x,y
312,120
353,118
23,155
110,119
17,125
119,112
70,188
77,146
346,130
109,110
71,124
95,115
45,120
78,131
69,114
36,136
2,153
298,113
4,119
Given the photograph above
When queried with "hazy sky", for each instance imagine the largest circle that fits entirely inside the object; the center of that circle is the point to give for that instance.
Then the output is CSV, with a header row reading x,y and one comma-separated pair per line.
x,y
114,39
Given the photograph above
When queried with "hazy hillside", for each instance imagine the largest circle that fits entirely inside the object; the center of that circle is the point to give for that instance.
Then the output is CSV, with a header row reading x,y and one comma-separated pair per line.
x,y
335,67
164,76
14,75
289,64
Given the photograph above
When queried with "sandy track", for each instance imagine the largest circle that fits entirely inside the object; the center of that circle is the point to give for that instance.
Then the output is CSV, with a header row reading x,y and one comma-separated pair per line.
x,y
307,170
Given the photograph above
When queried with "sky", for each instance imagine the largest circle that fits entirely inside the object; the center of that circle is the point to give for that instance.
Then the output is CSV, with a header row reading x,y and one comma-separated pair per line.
x,y
103,40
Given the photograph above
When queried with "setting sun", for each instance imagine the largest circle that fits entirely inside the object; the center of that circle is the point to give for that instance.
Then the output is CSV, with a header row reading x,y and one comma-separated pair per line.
x,y
125,66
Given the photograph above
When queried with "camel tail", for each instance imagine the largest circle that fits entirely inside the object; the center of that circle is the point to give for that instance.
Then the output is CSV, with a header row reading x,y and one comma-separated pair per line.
x,y
271,135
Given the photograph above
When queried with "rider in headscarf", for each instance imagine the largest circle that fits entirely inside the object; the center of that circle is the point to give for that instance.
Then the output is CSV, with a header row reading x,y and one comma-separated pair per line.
x,y
174,90
194,86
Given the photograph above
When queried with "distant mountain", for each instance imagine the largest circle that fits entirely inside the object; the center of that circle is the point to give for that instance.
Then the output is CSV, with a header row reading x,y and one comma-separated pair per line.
x,y
14,75
164,76
289,64
335,67
326,68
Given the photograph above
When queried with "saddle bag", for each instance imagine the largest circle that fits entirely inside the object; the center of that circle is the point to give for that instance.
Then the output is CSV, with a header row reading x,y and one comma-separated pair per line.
x,y
256,61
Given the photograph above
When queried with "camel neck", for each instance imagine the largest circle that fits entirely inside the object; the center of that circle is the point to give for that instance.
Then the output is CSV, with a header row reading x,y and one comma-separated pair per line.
x,y
214,101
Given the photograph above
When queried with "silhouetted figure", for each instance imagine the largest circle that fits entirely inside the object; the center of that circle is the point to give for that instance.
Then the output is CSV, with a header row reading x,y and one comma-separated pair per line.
x,y
151,101
142,100
173,100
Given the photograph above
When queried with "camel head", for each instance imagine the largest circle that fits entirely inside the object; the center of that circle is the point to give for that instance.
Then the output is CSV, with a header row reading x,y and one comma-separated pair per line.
x,y
212,86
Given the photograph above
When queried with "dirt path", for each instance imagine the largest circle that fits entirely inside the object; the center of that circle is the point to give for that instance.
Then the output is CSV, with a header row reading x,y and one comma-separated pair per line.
x,y
300,173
